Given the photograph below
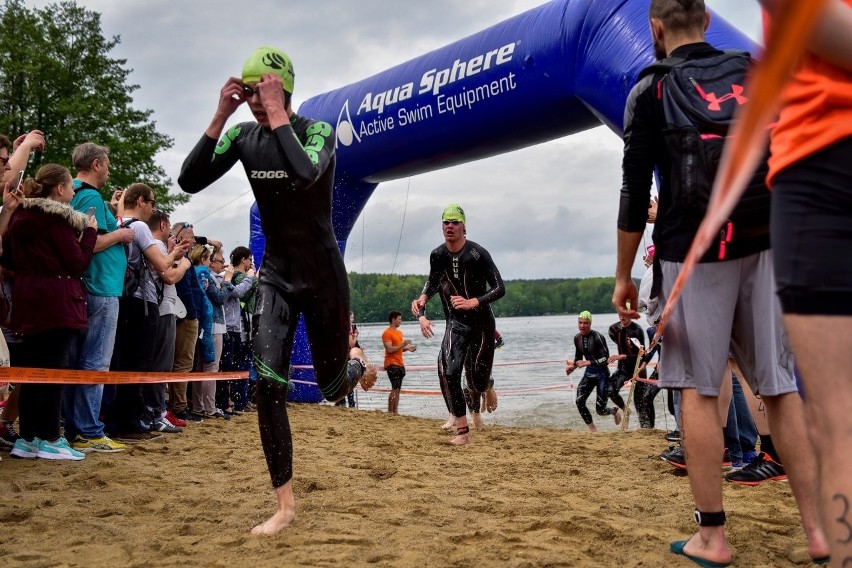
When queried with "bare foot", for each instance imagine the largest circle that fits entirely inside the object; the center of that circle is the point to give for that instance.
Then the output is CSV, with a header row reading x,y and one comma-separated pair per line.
x,y
449,424
714,549
460,440
284,516
478,422
368,379
276,523
592,427
617,416
491,400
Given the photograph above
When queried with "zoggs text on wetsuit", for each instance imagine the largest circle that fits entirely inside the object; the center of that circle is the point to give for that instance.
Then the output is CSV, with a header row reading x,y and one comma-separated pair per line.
x,y
469,337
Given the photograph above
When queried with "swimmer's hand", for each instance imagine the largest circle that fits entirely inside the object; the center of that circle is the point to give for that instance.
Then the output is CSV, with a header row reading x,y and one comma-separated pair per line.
x,y
418,305
426,327
462,303
569,367
230,97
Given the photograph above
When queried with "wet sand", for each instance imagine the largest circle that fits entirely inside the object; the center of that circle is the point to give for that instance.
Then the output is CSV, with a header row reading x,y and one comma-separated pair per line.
x,y
378,490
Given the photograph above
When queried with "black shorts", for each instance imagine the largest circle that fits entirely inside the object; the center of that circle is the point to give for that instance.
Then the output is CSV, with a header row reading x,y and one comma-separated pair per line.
x,y
812,233
395,374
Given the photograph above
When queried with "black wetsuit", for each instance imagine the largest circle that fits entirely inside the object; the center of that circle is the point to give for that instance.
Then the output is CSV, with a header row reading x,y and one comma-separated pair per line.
x,y
469,337
592,347
291,172
643,393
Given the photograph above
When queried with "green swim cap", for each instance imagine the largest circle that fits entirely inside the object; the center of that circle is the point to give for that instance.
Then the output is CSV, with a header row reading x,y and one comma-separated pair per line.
x,y
269,60
585,314
453,212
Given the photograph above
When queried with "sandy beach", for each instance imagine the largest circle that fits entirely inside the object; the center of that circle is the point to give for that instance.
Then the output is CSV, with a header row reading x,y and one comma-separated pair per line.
x,y
378,490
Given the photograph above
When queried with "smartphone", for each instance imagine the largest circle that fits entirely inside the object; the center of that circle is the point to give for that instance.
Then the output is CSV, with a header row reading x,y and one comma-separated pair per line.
x,y
18,180
90,212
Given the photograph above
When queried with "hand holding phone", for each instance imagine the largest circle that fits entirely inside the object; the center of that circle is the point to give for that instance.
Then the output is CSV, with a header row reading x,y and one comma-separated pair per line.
x,y
16,185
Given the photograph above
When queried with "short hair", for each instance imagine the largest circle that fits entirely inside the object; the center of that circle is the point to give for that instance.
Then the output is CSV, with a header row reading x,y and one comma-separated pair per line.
x,y
238,254
5,143
83,155
198,253
48,177
133,192
156,218
393,315
679,15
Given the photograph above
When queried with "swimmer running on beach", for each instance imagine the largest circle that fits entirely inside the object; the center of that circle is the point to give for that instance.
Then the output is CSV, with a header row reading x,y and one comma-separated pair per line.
x,y
303,270
591,352
468,281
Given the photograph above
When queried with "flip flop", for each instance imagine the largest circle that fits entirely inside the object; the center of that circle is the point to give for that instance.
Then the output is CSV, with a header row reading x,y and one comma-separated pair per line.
x,y
677,548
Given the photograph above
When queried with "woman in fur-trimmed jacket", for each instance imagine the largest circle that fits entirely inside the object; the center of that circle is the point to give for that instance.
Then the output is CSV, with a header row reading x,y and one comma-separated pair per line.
x,y
47,245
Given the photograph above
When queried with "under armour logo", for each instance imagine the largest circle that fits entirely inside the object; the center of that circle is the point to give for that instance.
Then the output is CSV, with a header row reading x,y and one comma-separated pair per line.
x,y
715,102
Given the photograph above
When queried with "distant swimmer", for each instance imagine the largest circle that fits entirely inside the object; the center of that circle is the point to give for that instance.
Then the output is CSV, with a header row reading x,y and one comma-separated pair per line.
x,y
303,270
591,352
467,280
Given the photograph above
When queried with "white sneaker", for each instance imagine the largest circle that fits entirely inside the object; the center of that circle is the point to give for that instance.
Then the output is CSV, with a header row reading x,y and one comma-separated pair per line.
x,y
24,449
58,450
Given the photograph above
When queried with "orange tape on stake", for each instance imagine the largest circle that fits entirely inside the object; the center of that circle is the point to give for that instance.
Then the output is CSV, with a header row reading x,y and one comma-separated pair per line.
x,y
77,377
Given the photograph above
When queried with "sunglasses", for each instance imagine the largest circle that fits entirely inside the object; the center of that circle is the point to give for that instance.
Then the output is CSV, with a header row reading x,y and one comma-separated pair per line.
x,y
185,226
454,222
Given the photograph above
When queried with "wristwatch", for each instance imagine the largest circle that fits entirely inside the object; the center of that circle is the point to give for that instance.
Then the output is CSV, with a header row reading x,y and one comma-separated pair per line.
x,y
709,519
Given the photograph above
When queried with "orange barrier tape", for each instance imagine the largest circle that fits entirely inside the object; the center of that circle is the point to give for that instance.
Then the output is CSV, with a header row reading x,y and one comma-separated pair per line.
x,y
76,377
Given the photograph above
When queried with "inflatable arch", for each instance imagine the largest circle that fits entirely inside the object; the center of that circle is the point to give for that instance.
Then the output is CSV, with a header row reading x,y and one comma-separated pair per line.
x,y
563,67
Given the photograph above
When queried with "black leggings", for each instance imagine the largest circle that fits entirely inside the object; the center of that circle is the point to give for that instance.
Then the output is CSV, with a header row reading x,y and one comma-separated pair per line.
x,y
326,312
40,402
469,349
643,400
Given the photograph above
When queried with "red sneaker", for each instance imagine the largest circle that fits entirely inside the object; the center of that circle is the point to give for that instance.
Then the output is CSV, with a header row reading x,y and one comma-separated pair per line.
x,y
170,416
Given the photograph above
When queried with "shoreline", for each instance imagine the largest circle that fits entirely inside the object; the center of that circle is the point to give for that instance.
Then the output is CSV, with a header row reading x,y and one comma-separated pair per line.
x,y
380,490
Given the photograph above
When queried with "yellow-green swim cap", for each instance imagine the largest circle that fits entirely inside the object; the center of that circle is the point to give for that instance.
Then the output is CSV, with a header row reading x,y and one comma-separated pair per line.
x,y
269,60
453,212
585,314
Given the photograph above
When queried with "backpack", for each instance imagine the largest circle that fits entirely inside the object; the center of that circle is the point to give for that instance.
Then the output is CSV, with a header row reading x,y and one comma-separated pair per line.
x,y
699,99
134,276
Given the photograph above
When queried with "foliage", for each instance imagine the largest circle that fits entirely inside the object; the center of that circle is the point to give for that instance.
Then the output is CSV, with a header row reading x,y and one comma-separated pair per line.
x,y
56,75
374,295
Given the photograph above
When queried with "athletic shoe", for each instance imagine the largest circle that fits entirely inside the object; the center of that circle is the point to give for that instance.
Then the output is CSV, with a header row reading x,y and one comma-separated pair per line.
x,y
24,449
163,425
195,416
179,422
101,445
247,408
673,436
217,414
8,436
232,412
58,450
763,468
133,437
675,458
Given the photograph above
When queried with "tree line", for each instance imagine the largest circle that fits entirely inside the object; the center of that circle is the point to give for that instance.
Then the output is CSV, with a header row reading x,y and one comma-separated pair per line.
x,y
57,76
374,295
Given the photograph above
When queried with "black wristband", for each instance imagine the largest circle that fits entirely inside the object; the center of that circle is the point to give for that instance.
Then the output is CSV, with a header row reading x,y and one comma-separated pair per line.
x,y
709,519
421,313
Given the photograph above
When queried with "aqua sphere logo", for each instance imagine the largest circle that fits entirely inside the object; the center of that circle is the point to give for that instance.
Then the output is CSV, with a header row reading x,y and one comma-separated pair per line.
x,y
346,132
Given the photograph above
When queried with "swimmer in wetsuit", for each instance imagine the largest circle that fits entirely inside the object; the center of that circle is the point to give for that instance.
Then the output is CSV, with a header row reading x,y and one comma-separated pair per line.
x,y
464,275
590,351
290,161
621,333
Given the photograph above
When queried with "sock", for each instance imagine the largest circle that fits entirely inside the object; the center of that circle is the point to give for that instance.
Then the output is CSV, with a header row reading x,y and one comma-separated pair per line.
x,y
767,446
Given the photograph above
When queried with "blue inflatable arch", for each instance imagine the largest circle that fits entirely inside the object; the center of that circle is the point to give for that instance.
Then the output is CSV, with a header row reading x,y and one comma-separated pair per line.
x,y
564,67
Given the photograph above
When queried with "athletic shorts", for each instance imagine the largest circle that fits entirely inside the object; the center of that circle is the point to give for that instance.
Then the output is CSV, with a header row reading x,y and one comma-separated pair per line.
x,y
395,374
726,306
812,233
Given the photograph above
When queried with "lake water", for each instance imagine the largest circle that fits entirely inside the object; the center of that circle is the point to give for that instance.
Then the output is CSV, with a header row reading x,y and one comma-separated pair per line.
x,y
533,357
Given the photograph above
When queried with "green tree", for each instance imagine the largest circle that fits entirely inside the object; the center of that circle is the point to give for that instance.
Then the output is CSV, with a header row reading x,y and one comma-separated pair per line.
x,y
57,76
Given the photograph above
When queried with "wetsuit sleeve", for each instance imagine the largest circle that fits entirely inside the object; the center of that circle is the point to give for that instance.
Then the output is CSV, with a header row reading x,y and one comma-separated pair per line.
x,y
613,333
578,349
209,161
495,281
433,282
310,161
600,349
638,161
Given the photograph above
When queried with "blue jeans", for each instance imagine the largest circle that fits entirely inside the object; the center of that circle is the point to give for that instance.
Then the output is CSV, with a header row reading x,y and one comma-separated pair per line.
x,y
81,404
740,431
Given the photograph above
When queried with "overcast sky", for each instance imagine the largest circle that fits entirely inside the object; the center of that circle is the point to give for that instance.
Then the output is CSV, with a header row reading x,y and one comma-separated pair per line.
x,y
182,52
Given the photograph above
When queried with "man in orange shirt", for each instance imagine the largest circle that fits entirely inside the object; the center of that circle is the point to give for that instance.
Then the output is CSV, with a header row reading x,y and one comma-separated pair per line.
x,y
811,179
395,345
